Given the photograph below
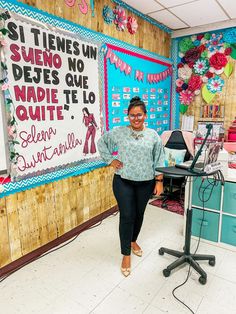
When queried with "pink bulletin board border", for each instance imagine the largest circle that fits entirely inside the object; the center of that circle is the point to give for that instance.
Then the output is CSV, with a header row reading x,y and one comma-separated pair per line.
x,y
135,54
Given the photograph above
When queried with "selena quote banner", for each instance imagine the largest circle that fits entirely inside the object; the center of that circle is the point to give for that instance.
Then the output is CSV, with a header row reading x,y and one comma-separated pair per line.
x,y
53,85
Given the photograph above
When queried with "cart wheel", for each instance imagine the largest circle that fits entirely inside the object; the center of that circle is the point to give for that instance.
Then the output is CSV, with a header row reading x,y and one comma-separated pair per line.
x,y
202,280
166,272
212,262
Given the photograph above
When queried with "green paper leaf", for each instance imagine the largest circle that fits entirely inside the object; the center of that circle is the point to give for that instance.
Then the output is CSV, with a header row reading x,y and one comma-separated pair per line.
x,y
13,121
3,65
183,108
15,142
207,95
8,101
4,31
233,53
228,69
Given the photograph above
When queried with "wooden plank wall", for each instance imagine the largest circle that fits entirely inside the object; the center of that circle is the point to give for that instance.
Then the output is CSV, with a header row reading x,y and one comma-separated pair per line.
x,y
148,36
32,218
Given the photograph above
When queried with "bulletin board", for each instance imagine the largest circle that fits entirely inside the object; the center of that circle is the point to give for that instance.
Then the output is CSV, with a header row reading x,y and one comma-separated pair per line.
x,y
59,86
130,74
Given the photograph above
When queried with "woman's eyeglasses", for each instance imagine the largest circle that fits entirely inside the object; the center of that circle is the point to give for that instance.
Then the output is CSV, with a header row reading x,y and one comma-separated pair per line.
x,y
138,116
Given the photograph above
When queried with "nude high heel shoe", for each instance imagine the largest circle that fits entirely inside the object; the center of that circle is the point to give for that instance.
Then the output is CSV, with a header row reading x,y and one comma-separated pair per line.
x,y
137,252
125,271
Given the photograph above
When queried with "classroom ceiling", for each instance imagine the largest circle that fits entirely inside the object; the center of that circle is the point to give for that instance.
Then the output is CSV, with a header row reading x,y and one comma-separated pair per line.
x,y
186,14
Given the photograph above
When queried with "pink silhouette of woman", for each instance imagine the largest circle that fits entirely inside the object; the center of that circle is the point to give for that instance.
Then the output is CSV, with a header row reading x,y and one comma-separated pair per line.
x,y
91,124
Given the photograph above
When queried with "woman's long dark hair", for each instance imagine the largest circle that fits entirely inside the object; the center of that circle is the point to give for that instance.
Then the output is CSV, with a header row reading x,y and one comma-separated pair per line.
x,y
137,102
86,110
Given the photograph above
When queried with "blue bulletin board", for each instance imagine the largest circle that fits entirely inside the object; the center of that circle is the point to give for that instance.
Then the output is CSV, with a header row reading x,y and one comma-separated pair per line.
x,y
129,74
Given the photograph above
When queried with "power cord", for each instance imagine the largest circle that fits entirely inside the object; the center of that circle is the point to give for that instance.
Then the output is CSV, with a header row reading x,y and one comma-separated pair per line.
x,y
53,250
203,200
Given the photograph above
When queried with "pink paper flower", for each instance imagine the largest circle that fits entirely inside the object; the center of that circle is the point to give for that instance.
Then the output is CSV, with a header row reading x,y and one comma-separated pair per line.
x,y
3,42
120,18
132,25
179,82
186,97
194,83
70,3
5,86
11,130
185,72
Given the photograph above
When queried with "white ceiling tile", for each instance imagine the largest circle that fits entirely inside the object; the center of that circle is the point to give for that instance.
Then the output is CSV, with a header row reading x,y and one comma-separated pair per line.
x,y
230,7
200,12
172,3
168,19
144,6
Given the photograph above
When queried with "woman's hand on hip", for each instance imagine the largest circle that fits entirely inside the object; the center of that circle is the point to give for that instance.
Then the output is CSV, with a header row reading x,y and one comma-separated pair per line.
x,y
116,164
158,189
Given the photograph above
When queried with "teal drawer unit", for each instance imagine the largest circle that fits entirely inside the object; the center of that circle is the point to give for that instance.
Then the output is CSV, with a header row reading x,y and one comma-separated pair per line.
x,y
214,201
210,224
229,201
228,230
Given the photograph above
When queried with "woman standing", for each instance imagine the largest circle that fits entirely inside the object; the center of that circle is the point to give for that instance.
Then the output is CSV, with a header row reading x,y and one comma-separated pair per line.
x,y
140,151
90,123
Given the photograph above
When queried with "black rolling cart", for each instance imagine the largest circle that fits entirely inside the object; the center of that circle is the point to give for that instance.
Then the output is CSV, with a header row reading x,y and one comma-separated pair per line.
x,y
186,256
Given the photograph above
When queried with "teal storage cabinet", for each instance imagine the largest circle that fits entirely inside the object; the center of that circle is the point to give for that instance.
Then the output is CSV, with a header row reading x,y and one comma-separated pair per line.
x,y
214,201
228,231
210,224
229,201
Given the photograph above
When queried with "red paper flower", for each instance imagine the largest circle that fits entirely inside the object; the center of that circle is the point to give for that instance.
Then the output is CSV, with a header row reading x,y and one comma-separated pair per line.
x,y
178,89
201,48
180,65
194,83
228,51
218,60
191,64
209,74
132,25
200,36
192,55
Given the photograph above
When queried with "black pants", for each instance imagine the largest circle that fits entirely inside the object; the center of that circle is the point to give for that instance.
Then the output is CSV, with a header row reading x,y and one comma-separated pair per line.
x,y
132,198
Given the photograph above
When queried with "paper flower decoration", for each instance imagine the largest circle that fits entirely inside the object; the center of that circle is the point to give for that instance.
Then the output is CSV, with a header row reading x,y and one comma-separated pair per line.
x,y
215,43
70,3
3,42
230,36
201,66
194,83
185,44
132,25
185,72
192,55
215,84
5,86
186,97
179,82
108,14
120,18
218,60
11,131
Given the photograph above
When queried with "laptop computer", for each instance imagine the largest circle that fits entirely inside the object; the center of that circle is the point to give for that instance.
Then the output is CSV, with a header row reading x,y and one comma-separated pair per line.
x,y
211,157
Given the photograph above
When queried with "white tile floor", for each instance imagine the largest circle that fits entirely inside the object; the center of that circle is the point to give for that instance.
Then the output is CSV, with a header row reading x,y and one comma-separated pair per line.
x,y
84,276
